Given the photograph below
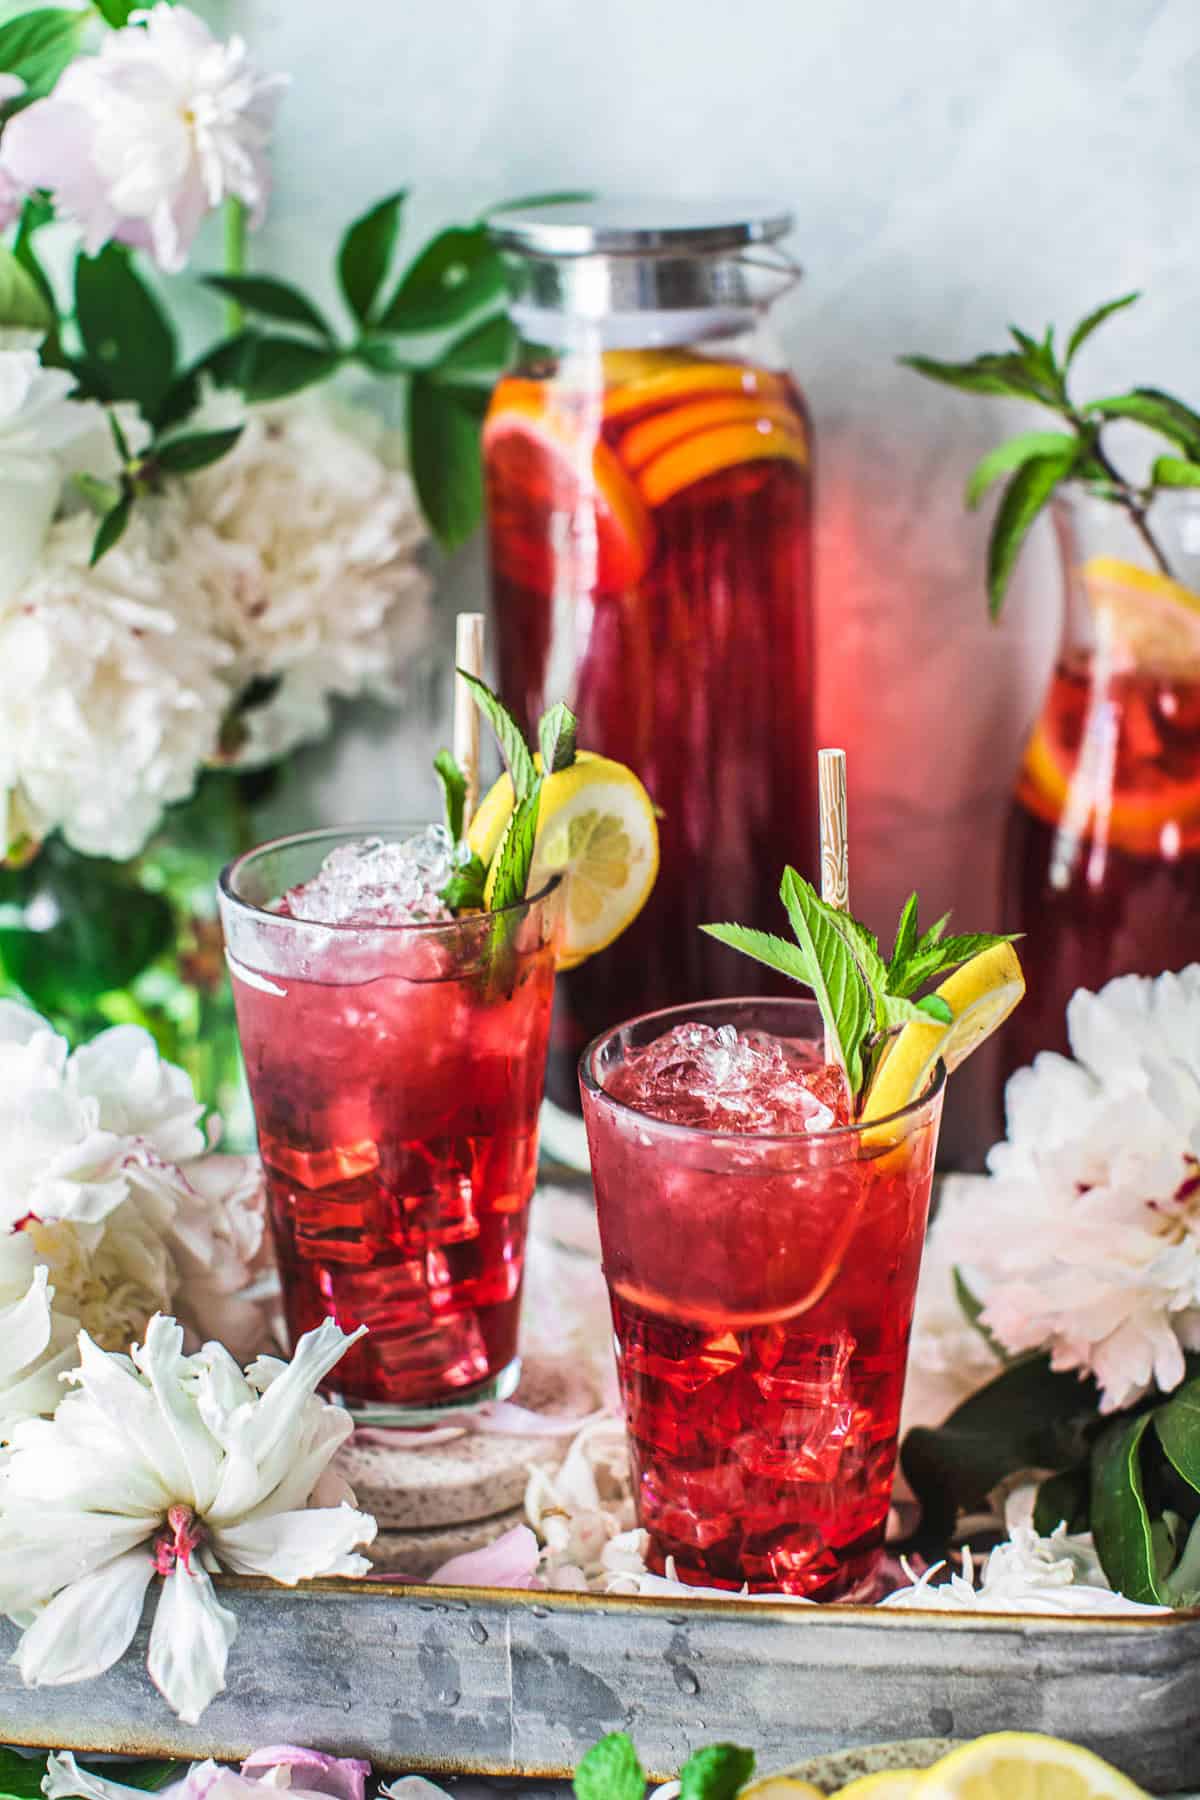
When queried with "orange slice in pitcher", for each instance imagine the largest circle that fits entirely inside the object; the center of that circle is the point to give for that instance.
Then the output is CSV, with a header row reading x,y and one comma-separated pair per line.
x,y
563,509
706,453
643,441
1054,785
644,379
1155,621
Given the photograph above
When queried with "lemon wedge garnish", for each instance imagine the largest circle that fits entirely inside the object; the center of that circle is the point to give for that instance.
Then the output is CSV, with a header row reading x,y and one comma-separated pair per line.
x,y
1010,1763
1155,621
596,828
980,995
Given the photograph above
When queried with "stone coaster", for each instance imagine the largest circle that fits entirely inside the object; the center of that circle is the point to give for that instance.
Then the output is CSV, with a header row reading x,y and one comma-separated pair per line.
x,y
415,1555
476,1476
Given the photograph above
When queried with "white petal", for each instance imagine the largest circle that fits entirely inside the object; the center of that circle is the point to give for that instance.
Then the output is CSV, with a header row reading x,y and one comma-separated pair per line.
x,y
413,1787
508,1562
89,1626
42,1551
297,1546
64,1777
162,1362
25,1326
189,1643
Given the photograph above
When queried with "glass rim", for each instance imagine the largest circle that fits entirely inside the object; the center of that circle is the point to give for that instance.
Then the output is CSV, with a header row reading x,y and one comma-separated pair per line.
x,y
372,828
833,1134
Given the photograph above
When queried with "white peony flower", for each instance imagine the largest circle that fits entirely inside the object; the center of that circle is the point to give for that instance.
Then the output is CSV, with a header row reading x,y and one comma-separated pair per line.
x,y
178,1466
309,550
948,1358
1086,1240
37,1343
302,1774
112,688
142,140
41,428
1028,1574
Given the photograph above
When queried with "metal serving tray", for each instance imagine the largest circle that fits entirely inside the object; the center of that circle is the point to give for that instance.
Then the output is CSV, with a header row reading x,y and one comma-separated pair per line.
x,y
497,1682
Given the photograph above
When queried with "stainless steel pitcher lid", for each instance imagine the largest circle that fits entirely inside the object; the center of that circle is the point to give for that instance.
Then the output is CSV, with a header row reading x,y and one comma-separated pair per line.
x,y
642,271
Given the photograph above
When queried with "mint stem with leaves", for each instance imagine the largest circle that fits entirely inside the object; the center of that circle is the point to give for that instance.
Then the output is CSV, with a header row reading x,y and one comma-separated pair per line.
x,y
1038,463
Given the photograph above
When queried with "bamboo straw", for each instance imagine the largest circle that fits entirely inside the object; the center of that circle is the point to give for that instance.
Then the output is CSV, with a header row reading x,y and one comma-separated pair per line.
x,y
835,858
468,655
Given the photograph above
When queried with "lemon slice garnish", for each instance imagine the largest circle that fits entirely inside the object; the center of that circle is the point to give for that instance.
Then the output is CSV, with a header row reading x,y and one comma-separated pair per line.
x,y
980,995
596,828
884,1784
1008,1763
1155,621
781,1787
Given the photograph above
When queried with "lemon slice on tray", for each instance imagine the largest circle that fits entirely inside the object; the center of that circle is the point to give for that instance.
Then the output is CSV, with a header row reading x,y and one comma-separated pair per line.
x,y
980,995
596,828
1013,1765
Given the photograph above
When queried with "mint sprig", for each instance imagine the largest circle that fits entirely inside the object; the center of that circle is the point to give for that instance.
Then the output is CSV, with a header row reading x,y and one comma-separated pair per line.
x,y
863,1000
509,736
454,791
718,1772
610,1771
1037,463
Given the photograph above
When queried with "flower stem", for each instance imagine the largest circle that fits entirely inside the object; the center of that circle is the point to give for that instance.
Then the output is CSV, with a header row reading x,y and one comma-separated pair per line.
x,y
235,258
1132,500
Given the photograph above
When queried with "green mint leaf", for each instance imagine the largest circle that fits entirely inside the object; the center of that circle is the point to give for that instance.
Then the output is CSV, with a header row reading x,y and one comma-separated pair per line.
x,y
933,936
934,1007
1174,472
508,735
895,1010
476,360
1008,372
1091,322
111,528
366,252
610,1771
182,455
514,854
272,299
556,738
972,1311
776,952
444,456
454,791
1024,497
464,890
716,1773
456,274
279,366
1120,1517
905,941
1011,455
128,338
1158,412
956,950
846,1003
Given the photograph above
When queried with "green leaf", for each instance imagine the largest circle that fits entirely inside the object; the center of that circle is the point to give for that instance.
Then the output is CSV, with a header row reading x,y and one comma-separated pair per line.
x,y
111,528
479,357
38,45
465,887
272,299
1092,321
514,853
1120,1519
454,791
116,12
1028,1417
1007,373
556,738
934,935
717,1772
905,941
1158,412
1011,455
845,1001
443,454
23,301
1174,472
775,952
938,958
972,1311
138,1773
1177,1427
366,254
610,1771
555,197
128,338
1024,497
72,927
509,735
1062,1499
181,455
21,1776
934,1007
454,275
281,366
101,496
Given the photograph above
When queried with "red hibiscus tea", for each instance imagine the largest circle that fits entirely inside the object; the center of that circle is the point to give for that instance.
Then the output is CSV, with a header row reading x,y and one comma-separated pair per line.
x,y
395,1057
762,1258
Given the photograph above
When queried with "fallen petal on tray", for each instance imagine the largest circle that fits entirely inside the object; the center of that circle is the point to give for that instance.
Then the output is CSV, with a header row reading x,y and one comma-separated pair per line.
x,y
509,1562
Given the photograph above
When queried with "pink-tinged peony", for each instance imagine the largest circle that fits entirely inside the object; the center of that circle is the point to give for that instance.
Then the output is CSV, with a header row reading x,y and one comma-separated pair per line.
x,y
142,140
283,1768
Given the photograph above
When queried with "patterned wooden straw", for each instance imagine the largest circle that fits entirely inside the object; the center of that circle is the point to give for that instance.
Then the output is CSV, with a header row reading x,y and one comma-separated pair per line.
x,y
835,859
468,655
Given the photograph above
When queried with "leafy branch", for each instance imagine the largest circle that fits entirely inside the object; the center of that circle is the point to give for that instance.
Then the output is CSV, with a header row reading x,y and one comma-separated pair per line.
x,y
1037,463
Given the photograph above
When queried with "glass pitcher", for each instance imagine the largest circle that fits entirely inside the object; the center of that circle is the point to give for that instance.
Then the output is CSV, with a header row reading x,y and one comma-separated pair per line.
x,y
1103,852
648,467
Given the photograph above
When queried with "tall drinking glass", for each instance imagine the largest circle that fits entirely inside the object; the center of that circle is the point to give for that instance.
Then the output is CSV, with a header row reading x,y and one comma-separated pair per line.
x,y
762,1291
396,1074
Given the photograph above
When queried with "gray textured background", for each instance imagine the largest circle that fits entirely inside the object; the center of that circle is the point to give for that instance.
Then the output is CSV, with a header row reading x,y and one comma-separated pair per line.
x,y
951,167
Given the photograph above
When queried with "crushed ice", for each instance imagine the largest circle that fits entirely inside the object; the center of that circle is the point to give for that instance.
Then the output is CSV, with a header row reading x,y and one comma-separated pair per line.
x,y
729,1080
375,881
